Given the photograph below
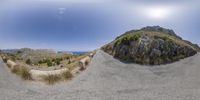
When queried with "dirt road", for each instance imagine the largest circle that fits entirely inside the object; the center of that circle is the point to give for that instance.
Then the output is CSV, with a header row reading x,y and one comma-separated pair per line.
x,y
109,79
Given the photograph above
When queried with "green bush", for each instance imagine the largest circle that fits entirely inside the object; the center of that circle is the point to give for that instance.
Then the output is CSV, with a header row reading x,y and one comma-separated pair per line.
x,y
49,63
57,62
18,52
135,37
126,40
40,62
28,61
69,62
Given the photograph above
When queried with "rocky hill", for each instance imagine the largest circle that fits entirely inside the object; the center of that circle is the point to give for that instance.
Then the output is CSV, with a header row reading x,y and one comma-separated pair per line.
x,y
151,45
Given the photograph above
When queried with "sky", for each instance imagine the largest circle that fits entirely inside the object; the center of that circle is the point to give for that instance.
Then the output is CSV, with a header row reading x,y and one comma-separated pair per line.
x,y
84,25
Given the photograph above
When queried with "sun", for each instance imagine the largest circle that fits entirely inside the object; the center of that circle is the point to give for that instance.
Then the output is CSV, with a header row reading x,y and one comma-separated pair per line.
x,y
157,12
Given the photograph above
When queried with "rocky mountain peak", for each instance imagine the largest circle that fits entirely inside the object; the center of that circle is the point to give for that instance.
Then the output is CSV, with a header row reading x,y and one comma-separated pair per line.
x,y
160,29
151,45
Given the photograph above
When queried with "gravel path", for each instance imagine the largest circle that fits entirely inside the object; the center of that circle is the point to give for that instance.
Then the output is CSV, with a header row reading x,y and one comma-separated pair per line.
x,y
109,79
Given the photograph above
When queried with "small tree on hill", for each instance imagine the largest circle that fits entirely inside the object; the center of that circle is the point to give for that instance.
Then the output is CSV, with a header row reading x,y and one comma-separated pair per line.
x,y
49,63
40,62
58,62
28,61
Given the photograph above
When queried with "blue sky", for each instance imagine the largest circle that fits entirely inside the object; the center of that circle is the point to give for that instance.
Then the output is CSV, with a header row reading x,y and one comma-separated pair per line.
x,y
81,25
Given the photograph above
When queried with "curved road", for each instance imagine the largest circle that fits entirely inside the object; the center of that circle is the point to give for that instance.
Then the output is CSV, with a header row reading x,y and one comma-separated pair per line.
x,y
109,79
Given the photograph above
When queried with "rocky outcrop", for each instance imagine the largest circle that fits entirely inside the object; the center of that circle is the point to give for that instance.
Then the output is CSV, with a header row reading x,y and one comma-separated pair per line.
x,y
150,45
160,29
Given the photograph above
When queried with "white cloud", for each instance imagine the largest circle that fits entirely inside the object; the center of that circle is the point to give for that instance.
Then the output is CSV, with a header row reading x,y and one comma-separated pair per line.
x,y
61,10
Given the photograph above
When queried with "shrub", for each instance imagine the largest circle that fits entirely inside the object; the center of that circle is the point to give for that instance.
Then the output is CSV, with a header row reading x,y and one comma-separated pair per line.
x,y
57,61
18,52
16,70
67,75
69,62
13,58
135,37
126,40
22,71
51,79
86,63
9,66
40,62
25,73
28,61
5,60
53,60
49,63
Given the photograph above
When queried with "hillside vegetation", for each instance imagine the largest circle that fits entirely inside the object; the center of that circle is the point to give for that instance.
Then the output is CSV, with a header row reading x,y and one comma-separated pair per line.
x,y
45,65
42,58
150,45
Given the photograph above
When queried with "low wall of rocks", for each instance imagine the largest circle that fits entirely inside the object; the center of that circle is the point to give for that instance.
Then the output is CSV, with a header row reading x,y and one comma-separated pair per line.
x,y
84,62
38,74
11,64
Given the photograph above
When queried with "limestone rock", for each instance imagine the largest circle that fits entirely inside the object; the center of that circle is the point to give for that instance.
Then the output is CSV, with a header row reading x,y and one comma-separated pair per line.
x,y
150,45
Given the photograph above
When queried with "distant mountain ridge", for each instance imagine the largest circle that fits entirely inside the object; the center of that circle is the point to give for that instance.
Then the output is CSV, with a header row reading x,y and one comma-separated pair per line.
x,y
52,51
28,49
150,45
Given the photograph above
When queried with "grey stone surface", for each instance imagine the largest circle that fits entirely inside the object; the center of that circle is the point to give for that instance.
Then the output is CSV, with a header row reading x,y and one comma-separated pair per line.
x,y
109,79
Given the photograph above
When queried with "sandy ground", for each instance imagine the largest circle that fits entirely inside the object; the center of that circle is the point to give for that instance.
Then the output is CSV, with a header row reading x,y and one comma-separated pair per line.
x,y
109,79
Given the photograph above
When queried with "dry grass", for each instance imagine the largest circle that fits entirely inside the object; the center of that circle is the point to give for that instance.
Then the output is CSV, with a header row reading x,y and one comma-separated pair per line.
x,y
67,75
25,74
22,71
72,65
160,34
8,65
172,38
75,62
54,78
15,70
51,79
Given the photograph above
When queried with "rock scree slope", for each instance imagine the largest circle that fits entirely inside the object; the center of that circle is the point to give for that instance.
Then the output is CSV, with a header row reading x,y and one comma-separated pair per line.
x,y
151,45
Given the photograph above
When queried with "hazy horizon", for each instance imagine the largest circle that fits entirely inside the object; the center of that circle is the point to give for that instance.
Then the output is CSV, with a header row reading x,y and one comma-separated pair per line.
x,y
85,25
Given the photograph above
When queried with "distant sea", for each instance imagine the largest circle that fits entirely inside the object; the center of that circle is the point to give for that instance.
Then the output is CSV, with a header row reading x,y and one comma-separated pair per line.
x,y
64,52
79,52
74,52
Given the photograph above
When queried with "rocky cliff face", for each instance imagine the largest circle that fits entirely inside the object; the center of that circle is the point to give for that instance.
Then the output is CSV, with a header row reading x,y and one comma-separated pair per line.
x,y
150,45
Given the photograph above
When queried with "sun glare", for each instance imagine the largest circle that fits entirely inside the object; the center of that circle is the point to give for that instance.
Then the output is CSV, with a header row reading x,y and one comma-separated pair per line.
x,y
157,12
